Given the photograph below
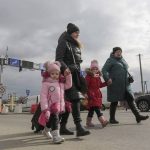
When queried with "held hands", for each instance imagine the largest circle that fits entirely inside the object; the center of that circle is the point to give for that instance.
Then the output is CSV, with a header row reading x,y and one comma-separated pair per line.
x,y
67,72
86,96
109,82
47,114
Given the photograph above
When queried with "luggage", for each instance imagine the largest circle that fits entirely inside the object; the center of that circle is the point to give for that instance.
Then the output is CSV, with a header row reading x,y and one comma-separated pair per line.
x,y
34,120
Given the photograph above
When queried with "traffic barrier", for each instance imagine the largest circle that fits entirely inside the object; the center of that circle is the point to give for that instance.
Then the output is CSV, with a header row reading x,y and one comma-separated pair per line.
x,y
5,110
18,108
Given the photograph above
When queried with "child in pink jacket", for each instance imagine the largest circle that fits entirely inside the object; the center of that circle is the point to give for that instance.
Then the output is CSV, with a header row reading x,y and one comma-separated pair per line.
x,y
52,99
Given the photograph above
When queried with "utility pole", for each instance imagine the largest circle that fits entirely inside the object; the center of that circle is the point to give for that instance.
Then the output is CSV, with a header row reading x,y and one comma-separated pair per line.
x,y
2,88
141,73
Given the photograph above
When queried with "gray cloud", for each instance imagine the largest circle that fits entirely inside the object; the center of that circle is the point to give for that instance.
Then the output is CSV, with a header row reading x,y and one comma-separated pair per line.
x,y
30,28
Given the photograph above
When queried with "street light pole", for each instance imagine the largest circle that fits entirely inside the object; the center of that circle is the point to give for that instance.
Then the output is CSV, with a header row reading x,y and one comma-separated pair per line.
x,y
0,84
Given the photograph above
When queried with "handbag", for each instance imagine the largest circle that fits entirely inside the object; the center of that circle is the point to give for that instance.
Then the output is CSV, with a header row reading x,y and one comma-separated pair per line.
x,y
130,78
80,82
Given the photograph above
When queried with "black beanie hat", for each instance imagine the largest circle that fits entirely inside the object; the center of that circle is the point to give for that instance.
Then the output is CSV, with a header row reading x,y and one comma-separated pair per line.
x,y
116,49
72,28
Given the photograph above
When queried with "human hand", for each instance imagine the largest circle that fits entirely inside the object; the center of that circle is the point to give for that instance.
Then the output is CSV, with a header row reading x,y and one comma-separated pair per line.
x,y
47,114
67,72
109,82
86,96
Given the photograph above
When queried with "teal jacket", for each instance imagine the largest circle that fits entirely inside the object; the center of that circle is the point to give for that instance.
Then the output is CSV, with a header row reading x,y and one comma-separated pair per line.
x,y
116,69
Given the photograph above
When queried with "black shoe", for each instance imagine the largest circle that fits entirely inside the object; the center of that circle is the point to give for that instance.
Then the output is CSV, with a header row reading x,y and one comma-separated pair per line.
x,y
140,118
65,131
81,131
113,121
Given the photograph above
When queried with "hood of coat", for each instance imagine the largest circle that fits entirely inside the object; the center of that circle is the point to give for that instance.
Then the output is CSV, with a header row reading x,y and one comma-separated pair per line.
x,y
90,73
117,58
49,79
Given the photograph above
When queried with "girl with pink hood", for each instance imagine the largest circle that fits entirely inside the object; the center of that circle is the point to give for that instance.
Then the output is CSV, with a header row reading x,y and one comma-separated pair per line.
x,y
52,99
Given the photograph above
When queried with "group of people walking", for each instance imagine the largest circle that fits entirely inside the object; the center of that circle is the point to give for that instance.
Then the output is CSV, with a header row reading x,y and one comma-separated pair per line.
x,y
61,88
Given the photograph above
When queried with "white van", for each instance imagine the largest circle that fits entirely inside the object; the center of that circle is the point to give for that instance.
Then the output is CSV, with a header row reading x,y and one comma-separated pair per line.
x,y
34,99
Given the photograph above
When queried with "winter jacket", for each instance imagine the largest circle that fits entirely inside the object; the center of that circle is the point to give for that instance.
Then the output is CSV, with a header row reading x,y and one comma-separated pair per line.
x,y
64,55
116,69
52,94
94,94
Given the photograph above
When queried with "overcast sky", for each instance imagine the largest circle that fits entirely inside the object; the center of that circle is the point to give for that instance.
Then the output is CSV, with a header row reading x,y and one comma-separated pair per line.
x,y
31,28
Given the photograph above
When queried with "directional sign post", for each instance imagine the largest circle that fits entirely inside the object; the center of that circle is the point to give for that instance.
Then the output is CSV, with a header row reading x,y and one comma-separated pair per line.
x,y
14,62
2,91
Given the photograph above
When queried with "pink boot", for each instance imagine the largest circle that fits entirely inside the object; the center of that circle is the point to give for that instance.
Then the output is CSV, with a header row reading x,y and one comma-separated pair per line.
x,y
89,122
103,121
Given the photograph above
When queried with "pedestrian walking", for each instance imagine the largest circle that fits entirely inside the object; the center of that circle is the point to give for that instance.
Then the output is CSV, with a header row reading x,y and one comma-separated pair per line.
x,y
94,83
68,52
52,99
115,73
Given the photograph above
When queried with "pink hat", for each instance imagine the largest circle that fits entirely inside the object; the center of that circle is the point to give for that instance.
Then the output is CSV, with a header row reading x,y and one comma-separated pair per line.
x,y
52,66
94,64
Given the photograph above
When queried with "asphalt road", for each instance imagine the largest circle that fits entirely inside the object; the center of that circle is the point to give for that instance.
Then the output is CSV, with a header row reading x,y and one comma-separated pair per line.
x,y
15,134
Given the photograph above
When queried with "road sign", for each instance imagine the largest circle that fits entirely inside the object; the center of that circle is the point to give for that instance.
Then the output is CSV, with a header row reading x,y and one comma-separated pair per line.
x,y
2,89
27,92
27,64
14,62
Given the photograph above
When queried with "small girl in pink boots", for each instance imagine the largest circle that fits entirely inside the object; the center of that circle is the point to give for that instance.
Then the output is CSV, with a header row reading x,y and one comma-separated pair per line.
x,y
94,94
52,99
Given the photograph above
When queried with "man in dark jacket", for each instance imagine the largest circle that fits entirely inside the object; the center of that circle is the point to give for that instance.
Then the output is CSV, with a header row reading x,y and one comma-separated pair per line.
x,y
115,73
68,52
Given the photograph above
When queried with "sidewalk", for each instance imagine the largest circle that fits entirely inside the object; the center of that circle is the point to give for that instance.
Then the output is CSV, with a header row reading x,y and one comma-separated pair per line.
x,y
15,134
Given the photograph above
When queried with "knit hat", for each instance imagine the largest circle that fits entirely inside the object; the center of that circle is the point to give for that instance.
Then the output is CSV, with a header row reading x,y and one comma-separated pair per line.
x,y
52,66
72,28
116,49
94,64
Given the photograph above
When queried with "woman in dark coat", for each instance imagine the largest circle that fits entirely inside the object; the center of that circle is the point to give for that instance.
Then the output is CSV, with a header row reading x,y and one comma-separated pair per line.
x,y
68,52
115,73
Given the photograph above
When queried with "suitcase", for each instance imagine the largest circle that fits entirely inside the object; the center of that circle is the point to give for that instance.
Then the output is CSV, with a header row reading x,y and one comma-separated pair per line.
x,y
34,120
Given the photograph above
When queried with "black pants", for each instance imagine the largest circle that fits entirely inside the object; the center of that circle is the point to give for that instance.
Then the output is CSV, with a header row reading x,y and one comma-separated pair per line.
x,y
131,103
63,118
76,111
53,122
97,110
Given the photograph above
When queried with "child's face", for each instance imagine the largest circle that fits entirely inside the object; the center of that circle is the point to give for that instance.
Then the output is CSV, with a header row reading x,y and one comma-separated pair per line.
x,y
55,74
94,70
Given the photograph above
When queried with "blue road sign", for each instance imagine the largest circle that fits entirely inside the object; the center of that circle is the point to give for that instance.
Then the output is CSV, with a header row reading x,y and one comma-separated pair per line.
x,y
27,92
14,62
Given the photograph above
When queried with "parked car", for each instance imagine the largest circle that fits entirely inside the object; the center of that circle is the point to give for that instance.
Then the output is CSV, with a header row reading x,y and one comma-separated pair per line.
x,y
143,102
